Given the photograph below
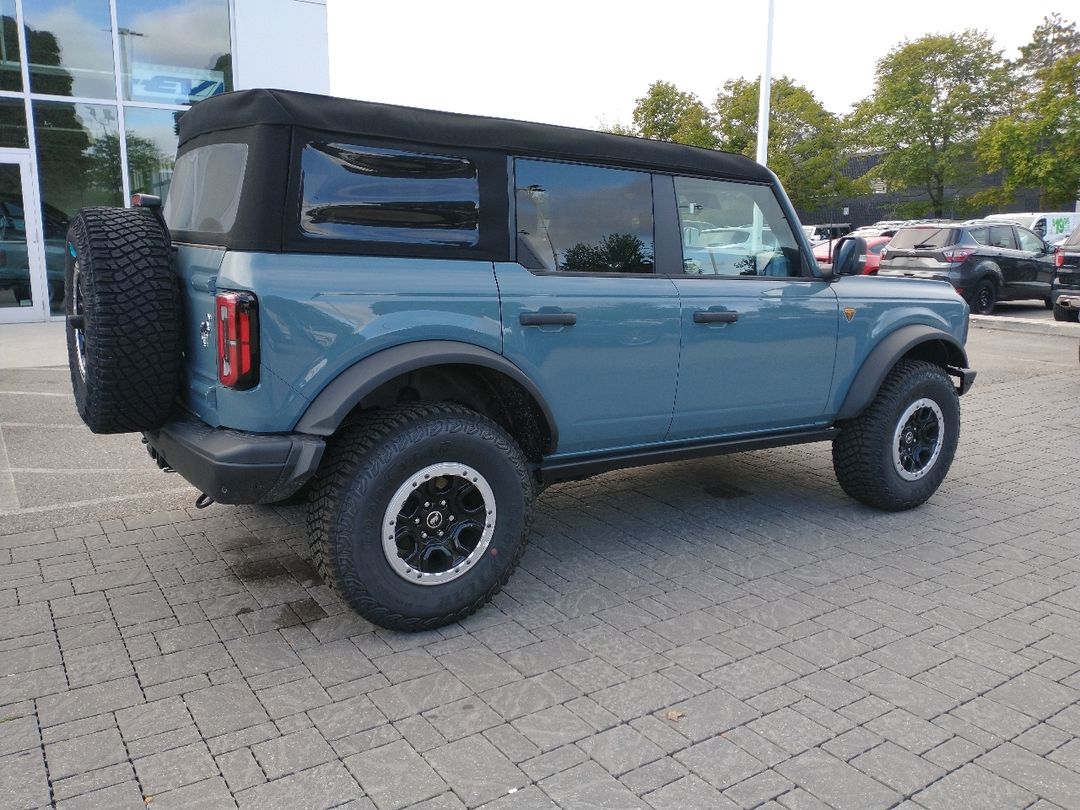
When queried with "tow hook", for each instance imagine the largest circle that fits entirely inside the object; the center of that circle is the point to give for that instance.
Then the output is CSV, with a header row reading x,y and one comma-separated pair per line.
x,y
203,501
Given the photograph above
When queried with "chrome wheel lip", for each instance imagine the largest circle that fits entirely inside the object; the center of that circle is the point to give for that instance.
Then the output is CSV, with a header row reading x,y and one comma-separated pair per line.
x,y
76,309
902,424
397,502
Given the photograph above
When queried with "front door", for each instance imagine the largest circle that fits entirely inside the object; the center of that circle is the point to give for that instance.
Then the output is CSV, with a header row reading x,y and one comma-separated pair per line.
x,y
25,288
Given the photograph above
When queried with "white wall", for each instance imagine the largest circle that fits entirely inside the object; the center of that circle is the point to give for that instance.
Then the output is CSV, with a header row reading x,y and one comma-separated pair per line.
x,y
281,43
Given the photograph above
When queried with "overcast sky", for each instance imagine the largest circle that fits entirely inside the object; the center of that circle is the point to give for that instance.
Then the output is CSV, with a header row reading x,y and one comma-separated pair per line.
x,y
585,62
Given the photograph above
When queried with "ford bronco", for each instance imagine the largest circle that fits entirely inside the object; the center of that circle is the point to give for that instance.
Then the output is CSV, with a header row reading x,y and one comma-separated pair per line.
x,y
415,320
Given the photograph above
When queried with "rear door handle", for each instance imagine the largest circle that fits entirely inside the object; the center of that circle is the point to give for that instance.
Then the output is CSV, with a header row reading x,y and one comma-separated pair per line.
x,y
725,316
548,318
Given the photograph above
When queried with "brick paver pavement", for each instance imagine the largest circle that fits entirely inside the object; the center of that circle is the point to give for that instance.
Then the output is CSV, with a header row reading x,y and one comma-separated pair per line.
x,y
726,633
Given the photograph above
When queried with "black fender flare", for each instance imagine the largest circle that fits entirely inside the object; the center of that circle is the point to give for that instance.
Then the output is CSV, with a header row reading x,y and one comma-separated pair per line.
x,y
330,407
989,269
885,355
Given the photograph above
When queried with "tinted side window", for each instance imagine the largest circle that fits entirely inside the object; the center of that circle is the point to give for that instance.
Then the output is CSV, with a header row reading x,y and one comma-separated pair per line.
x,y
1001,236
1029,241
980,235
386,195
734,229
583,219
205,191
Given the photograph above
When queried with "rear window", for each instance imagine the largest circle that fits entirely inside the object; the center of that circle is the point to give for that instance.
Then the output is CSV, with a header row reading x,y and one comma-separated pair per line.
x,y
924,238
374,194
205,191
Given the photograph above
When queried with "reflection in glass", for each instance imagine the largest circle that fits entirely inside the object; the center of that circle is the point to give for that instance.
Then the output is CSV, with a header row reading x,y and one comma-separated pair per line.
x,y
583,219
78,149
14,263
10,72
174,51
13,123
151,149
70,48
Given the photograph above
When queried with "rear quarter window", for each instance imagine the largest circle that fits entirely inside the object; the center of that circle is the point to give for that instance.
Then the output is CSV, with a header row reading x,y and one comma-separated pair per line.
x,y
206,187
373,194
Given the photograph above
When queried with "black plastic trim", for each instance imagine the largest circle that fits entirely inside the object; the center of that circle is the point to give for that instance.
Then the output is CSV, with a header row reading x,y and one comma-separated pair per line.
x,y
329,409
236,467
547,318
563,470
886,354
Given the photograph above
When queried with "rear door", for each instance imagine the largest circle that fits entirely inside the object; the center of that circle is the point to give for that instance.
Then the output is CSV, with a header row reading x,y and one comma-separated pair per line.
x,y
584,313
1002,241
1038,263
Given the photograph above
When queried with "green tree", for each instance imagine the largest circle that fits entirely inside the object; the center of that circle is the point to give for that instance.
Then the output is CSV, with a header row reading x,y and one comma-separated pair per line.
x,y
931,99
805,146
1039,145
1054,39
666,113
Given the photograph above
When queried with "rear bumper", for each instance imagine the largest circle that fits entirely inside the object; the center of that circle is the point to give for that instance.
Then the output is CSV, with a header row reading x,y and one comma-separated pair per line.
x,y
1067,300
235,467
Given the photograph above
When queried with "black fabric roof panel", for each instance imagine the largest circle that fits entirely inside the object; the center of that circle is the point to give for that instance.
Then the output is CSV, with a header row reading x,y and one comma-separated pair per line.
x,y
364,118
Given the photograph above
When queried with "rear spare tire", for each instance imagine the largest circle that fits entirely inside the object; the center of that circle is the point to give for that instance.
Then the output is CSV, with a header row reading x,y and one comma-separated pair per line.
x,y
123,319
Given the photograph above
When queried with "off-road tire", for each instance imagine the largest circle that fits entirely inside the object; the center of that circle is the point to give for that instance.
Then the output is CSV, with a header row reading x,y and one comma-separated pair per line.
x,y
364,466
863,453
124,328
1067,315
984,298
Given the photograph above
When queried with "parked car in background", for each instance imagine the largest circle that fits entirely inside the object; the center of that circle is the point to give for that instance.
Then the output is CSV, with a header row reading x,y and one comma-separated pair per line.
x,y
1054,226
827,231
985,260
1065,292
823,253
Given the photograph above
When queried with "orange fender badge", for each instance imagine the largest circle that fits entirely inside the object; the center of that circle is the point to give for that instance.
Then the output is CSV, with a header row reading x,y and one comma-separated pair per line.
x,y
849,313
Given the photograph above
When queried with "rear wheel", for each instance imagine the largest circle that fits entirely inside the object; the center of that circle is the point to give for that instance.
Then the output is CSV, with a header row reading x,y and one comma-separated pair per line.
x,y
419,514
1062,314
897,452
985,297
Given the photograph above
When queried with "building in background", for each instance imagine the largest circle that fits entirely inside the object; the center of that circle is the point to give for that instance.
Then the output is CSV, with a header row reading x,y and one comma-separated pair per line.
x,y
90,93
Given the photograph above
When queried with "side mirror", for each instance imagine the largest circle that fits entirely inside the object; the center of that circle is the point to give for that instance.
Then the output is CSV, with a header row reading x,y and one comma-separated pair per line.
x,y
849,256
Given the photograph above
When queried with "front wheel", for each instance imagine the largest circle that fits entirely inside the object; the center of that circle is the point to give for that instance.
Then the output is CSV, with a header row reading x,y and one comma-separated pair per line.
x,y
419,514
896,453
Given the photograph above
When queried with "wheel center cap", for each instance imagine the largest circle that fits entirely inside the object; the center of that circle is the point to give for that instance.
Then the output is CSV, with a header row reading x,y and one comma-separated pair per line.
x,y
909,437
434,520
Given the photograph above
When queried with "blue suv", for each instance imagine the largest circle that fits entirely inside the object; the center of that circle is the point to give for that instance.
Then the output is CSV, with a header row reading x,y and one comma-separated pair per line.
x,y
415,320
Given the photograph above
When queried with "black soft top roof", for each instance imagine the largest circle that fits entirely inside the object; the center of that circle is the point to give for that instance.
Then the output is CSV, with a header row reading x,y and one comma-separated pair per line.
x,y
286,108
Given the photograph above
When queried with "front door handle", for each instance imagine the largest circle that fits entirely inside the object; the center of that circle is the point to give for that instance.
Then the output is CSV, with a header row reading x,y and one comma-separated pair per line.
x,y
709,316
547,318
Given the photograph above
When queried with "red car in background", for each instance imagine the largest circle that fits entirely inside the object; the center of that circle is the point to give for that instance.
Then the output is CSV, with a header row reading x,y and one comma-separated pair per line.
x,y
874,244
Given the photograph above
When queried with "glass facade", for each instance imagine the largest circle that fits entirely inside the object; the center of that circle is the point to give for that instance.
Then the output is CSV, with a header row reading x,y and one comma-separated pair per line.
x,y
103,83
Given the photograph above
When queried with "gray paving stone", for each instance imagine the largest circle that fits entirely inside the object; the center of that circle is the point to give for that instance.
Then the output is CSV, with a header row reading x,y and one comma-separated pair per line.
x,y
419,695
836,783
758,789
589,785
292,753
709,714
719,762
1041,776
182,664
622,749
394,775
172,769
996,718
552,727
23,783
462,718
225,708
640,696
479,668
689,791
897,768
148,719
653,776
257,655
476,770
87,753
531,798
92,781
88,701
1034,696
291,698
125,796
904,692
18,734
544,656
336,662
907,730
973,788
750,676
852,743
210,794
526,696
240,770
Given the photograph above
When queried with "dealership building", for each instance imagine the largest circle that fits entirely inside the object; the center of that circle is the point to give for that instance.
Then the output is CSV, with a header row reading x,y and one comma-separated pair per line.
x,y
90,93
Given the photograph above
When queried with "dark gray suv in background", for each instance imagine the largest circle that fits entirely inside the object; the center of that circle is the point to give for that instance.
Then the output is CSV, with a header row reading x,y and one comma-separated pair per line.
x,y
986,261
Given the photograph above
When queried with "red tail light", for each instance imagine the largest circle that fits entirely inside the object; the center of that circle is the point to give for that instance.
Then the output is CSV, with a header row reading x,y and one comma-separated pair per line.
x,y
238,339
957,254
1059,258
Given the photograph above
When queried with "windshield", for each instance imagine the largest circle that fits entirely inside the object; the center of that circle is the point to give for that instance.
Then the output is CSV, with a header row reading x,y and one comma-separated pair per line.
x,y
205,192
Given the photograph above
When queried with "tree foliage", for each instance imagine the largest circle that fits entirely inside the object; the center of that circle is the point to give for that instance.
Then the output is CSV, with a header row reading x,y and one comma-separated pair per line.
x,y
805,148
1053,40
666,113
1039,145
931,98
